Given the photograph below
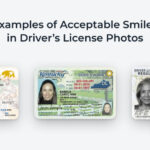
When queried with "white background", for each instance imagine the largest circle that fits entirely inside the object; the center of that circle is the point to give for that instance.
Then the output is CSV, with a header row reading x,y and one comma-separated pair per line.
x,y
29,133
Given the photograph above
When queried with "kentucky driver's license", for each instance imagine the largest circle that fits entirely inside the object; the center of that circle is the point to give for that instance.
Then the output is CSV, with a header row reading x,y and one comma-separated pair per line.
x,y
67,93
141,93
8,93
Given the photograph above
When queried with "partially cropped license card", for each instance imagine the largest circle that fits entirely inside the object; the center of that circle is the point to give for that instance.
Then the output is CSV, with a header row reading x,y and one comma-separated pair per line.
x,y
8,93
141,93
75,93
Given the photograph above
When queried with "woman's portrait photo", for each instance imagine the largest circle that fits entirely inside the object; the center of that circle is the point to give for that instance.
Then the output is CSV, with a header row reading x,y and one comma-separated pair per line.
x,y
107,109
47,93
143,95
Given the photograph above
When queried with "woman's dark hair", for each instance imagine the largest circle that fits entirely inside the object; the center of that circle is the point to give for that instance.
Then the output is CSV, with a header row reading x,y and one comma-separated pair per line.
x,y
41,99
103,112
138,90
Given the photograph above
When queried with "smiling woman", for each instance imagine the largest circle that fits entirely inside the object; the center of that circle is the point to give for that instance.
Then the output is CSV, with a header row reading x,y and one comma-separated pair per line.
x,y
47,94
143,94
